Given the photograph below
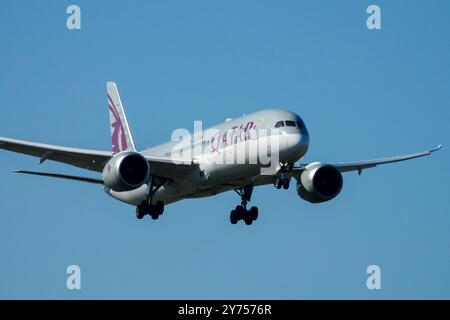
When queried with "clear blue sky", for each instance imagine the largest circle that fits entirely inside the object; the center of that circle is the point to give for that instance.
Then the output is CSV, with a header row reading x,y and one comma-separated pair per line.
x,y
363,94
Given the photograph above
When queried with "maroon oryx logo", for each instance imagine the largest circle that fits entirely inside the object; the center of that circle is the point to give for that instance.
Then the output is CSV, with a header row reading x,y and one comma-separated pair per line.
x,y
118,128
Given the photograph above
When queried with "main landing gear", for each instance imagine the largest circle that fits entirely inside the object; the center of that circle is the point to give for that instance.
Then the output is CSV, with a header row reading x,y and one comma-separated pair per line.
x,y
241,212
146,206
153,210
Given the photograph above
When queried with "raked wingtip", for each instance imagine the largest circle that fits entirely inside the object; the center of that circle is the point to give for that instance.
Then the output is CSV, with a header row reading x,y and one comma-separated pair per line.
x,y
439,147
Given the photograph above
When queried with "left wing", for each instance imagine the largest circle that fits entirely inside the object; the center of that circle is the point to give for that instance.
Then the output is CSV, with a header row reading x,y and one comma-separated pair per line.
x,y
361,165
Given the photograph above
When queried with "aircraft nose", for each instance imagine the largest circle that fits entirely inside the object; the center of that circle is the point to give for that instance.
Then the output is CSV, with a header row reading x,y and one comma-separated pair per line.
x,y
293,140
297,144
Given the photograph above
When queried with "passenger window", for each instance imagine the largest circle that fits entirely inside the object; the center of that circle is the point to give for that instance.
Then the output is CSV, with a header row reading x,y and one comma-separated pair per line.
x,y
279,124
290,123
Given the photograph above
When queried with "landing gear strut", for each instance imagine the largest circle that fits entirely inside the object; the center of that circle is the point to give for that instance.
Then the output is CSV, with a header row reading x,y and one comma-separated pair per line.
x,y
241,212
147,207
282,181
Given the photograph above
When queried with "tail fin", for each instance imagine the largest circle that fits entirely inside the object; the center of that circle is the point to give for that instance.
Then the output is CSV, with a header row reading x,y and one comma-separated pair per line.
x,y
121,137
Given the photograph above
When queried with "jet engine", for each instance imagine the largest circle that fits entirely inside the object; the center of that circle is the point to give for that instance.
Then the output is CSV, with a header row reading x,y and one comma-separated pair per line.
x,y
319,182
126,171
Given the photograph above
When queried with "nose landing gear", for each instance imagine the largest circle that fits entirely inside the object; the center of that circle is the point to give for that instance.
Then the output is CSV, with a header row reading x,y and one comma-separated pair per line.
x,y
282,181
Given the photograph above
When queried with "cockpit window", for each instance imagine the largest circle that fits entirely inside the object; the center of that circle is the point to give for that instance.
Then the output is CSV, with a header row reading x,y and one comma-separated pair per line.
x,y
300,124
290,123
279,124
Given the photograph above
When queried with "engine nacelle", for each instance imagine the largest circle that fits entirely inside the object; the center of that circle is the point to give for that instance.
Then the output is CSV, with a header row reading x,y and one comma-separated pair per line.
x,y
126,171
319,182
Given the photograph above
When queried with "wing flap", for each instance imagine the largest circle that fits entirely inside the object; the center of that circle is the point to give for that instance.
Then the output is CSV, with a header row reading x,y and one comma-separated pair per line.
x,y
172,169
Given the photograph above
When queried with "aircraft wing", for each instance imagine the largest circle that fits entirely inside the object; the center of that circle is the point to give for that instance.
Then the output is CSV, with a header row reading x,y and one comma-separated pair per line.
x,y
87,159
93,160
365,164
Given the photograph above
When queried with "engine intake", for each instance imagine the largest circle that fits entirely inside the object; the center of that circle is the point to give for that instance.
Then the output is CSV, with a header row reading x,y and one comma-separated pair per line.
x,y
319,182
126,171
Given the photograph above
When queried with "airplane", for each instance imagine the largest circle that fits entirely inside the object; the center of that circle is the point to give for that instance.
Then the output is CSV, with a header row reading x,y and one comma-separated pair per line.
x,y
154,178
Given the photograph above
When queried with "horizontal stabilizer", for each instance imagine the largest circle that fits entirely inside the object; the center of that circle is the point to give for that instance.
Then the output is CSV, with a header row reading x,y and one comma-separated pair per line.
x,y
61,176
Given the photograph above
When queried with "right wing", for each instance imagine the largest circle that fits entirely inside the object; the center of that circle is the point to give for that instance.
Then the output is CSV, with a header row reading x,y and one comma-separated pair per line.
x,y
87,159
93,160
96,160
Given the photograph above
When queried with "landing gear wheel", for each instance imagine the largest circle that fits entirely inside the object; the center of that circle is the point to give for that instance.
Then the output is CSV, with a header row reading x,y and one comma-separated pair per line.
x,y
278,183
248,220
159,208
153,211
282,183
240,212
154,216
139,214
234,217
141,210
253,213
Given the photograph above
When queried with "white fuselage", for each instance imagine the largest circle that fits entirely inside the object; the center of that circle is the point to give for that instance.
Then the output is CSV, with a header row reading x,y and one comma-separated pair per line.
x,y
238,152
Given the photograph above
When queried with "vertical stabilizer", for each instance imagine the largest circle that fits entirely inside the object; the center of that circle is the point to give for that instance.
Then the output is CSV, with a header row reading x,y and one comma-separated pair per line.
x,y
121,137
